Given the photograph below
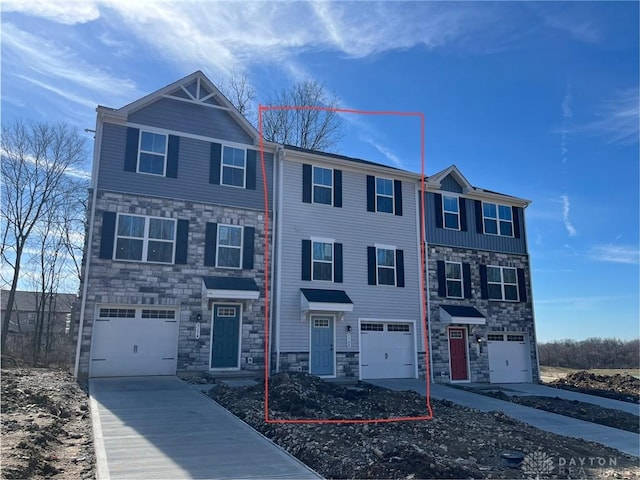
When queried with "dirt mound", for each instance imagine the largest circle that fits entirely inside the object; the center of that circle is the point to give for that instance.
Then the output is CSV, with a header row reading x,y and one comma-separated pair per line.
x,y
618,387
458,443
46,429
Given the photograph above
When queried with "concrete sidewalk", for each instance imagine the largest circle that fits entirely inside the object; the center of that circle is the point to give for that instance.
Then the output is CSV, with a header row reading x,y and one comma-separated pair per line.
x,y
161,428
624,441
532,389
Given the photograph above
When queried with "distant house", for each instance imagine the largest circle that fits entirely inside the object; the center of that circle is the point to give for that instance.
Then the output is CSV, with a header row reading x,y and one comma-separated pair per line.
x,y
27,306
175,263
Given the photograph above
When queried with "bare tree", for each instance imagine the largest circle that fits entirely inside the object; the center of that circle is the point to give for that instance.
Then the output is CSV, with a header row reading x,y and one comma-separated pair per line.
x,y
37,159
295,118
240,93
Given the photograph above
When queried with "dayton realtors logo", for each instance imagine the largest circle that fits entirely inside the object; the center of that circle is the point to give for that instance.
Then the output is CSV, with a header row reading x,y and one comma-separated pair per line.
x,y
539,465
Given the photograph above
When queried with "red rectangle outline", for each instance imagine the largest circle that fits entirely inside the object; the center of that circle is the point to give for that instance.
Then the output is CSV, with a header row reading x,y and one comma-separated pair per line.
x,y
267,355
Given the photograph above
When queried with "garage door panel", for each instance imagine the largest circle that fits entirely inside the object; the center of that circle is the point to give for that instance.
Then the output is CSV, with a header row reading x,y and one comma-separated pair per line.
x,y
386,353
509,358
135,345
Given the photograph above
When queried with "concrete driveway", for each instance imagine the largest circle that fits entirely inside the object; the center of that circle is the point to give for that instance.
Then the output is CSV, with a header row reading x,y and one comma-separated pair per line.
x,y
624,441
162,428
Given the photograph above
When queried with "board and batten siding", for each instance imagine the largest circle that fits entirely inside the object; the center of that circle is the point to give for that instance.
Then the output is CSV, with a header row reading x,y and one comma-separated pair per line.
x,y
191,118
192,182
470,238
356,229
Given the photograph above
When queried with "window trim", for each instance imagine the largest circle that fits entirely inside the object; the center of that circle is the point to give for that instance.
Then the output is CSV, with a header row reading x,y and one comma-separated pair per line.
x,y
140,151
447,280
222,166
145,239
446,212
392,196
314,184
393,248
497,219
503,284
218,245
330,241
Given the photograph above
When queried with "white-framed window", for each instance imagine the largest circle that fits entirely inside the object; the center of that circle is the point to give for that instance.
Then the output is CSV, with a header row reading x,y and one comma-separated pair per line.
x,y
372,327
398,327
229,244
31,319
502,283
226,312
321,322
453,274
386,265
451,212
384,195
234,162
145,239
495,337
117,313
497,219
322,185
455,334
152,153
159,314
321,260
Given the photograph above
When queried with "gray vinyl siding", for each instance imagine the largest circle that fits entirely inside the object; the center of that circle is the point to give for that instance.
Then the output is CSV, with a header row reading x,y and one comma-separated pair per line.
x,y
449,184
193,174
470,238
191,118
356,229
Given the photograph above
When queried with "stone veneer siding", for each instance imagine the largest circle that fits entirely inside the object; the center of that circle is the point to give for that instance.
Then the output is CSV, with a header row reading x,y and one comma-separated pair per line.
x,y
501,316
347,363
139,283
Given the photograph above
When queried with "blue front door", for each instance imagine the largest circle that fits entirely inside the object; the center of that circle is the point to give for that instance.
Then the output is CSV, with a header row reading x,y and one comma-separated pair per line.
x,y
322,355
225,336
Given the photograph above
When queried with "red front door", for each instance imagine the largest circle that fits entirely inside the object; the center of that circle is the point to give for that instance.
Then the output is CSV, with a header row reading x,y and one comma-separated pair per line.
x,y
458,353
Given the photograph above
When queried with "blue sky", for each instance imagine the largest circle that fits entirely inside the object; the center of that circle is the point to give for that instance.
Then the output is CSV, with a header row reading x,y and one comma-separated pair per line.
x,y
536,100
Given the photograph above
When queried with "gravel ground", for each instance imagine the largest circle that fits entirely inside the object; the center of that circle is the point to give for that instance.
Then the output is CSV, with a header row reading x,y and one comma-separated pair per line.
x,y
46,426
458,443
618,387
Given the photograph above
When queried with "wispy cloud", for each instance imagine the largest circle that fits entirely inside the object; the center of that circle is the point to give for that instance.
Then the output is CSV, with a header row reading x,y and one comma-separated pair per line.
x,y
68,13
579,301
627,254
566,207
390,155
618,118
566,116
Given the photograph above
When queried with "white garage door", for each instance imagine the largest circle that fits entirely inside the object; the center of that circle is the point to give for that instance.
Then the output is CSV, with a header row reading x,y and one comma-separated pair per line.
x,y
386,350
509,358
129,341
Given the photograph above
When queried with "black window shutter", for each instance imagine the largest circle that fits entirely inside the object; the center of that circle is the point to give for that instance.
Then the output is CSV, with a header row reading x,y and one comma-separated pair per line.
x,y
442,280
479,226
247,248
337,262
210,244
463,214
437,206
108,234
371,265
337,188
306,259
131,151
173,151
306,183
522,286
466,279
400,268
182,241
484,289
516,221
215,159
250,182
371,195
397,196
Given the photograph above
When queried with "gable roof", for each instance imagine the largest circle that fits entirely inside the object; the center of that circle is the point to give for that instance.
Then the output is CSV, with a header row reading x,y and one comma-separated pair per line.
x,y
195,88
26,301
455,173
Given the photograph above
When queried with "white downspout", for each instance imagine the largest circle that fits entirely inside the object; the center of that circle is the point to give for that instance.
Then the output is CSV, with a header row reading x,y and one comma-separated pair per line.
x,y
279,168
97,144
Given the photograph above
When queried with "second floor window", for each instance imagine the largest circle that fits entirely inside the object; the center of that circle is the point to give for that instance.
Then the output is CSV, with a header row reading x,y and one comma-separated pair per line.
x,y
384,195
453,272
233,166
502,283
229,243
386,265
451,212
322,262
145,239
497,219
322,185
153,153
